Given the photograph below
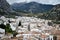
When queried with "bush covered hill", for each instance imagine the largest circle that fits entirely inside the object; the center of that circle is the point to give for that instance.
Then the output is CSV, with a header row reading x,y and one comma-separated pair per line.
x,y
31,7
53,14
5,8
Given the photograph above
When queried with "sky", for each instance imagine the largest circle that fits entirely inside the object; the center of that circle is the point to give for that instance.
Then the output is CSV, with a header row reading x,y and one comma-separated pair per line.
x,y
39,1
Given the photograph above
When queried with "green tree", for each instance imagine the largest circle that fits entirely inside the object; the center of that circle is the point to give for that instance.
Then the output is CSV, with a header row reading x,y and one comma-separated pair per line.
x,y
8,29
2,26
14,34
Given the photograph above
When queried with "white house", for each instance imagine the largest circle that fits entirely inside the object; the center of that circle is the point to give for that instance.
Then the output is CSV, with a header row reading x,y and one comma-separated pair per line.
x,y
2,32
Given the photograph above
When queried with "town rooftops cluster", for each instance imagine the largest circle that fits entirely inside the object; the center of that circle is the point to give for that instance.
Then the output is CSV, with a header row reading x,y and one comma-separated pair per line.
x,y
29,28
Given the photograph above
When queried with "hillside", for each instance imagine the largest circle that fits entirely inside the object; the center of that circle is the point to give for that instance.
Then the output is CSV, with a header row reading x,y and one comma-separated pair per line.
x,y
56,11
53,14
32,7
6,10
4,7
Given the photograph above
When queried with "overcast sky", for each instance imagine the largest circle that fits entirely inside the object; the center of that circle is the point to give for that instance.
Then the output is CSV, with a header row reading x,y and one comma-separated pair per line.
x,y
40,1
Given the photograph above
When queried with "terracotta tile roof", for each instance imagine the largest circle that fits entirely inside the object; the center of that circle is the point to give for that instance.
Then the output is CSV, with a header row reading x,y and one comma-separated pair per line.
x,y
21,33
56,32
43,36
15,38
32,32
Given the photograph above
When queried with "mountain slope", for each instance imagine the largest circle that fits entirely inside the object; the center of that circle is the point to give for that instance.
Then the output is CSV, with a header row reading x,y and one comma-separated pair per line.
x,y
56,11
53,14
4,7
33,7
